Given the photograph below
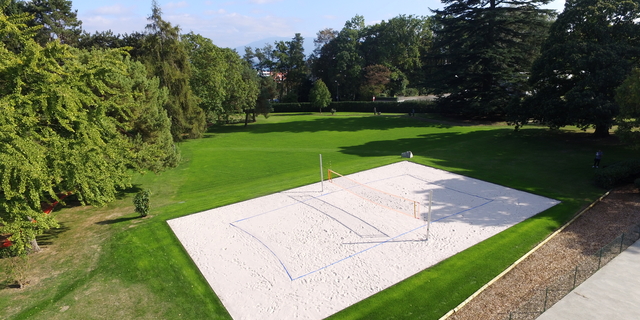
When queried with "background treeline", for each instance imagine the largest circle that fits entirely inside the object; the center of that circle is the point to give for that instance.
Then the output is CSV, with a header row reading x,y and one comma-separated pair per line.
x,y
79,112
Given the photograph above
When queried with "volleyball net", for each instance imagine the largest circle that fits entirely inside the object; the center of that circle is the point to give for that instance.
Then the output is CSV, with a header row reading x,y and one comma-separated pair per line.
x,y
378,197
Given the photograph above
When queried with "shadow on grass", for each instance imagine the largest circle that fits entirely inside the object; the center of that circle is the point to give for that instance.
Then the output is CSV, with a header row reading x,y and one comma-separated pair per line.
x,y
337,123
50,235
113,221
124,192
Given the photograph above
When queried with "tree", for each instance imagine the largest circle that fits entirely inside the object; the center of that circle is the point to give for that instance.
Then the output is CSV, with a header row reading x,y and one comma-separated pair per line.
x,y
58,21
320,95
349,59
376,78
141,202
268,92
291,63
165,57
592,47
323,60
100,40
210,75
71,121
400,44
323,38
628,121
485,48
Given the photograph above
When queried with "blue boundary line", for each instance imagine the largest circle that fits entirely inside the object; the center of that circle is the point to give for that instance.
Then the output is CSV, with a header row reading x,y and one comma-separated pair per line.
x,y
359,252
266,246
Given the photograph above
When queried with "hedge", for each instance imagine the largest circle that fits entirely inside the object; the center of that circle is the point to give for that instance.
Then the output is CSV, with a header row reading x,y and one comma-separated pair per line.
x,y
360,106
617,173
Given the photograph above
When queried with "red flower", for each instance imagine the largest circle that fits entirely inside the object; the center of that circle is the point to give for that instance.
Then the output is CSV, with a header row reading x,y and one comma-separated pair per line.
x,y
6,243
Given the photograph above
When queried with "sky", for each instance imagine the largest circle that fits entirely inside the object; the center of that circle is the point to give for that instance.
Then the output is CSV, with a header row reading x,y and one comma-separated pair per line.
x,y
237,23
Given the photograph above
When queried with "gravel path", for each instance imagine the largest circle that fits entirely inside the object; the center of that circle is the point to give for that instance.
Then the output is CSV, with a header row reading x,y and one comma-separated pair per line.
x,y
598,226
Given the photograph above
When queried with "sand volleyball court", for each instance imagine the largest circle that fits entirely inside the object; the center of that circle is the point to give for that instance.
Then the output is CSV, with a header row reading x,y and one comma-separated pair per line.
x,y
309,252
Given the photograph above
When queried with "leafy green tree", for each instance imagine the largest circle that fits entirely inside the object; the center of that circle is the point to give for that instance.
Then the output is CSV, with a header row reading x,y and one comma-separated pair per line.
x,y
376,78
165,57
71,121
323,59
323,38
268,92
400,44
592,47
485,49
349,57
628,121
209,78
245,89
320,96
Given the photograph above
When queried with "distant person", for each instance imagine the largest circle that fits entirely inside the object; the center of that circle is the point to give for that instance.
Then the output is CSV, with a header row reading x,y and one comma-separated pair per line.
x,y
374,111
596,161
413,112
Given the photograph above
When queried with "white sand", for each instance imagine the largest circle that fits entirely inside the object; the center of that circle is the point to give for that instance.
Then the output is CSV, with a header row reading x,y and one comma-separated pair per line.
x,y
306,254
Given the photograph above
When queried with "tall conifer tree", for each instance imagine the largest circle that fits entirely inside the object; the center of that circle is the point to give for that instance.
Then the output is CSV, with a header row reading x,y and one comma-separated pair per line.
x,y
166,58
484,48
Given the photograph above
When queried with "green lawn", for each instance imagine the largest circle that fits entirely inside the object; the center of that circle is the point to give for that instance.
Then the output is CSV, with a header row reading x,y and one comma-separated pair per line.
x,y
105,263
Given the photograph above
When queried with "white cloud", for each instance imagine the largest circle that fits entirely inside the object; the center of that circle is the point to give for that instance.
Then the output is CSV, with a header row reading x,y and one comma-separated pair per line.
x,y
175,5
117,25
233,29
117,9
212,12
224,23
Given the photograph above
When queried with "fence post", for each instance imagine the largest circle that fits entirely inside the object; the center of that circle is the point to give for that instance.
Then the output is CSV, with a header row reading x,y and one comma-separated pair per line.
x,y
544,306
599,258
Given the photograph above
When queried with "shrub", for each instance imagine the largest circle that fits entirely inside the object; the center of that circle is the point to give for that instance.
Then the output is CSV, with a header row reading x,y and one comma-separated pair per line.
x,y
618,173
637,183
411,92
141,202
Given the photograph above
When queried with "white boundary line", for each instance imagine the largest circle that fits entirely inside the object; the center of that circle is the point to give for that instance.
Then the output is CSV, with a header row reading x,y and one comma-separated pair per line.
x,y
515,264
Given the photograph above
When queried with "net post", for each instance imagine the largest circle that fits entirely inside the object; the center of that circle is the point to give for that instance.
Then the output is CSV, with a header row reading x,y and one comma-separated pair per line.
x,y
321,175
429,213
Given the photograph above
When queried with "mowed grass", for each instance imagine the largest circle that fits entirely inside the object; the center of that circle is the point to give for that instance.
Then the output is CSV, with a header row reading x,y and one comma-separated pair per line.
x,y
105,263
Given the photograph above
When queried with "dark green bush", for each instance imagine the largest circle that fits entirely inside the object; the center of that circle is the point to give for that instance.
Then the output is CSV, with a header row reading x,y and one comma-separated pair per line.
x,y
617,173
141,202
637,183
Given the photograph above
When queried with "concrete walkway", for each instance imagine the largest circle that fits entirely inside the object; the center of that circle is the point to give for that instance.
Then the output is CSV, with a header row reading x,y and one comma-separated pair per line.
x,y
613,292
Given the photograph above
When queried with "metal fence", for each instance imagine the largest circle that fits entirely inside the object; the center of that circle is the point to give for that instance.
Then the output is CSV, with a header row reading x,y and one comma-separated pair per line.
x,y
544,299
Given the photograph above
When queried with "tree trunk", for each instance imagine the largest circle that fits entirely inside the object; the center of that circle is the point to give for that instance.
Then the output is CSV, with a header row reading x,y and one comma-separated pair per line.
x,y
34,246
602,131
